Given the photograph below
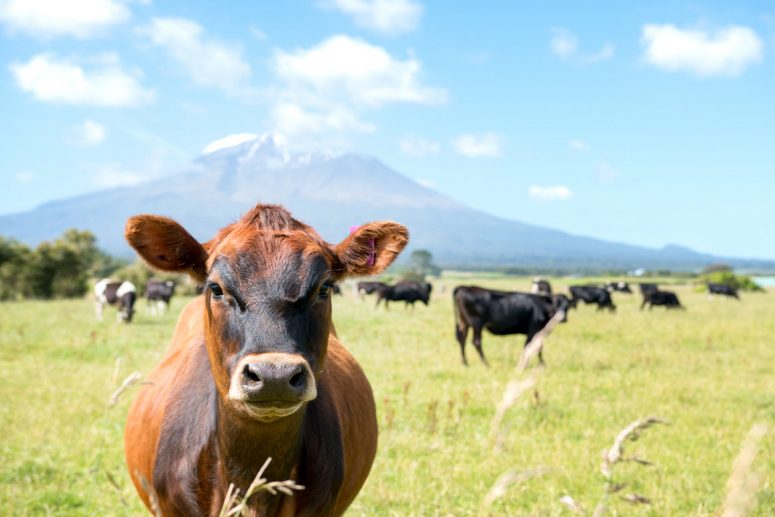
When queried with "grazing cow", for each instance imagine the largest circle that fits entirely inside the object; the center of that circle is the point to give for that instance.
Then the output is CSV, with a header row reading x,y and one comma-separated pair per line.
x,y
722,289
336,289
667,299
121,294
620,287
158,294
646,288
592,294
541,286
407,292
502,313
365,288
255,369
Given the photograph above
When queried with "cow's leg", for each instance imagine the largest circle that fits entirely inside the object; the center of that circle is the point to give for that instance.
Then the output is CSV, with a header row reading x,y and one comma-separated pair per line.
x,y
478,343
530,335
643,304
98,310
461,333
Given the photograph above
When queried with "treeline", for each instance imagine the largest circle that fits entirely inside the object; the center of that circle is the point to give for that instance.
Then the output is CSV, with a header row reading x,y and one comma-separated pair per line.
x,y
55,269
66,267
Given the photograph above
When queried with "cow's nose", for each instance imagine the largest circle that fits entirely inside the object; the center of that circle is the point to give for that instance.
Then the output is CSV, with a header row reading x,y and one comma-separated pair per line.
x,y
278,382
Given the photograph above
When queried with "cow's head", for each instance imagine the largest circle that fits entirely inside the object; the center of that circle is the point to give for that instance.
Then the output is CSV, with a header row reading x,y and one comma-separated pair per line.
x,y
268,280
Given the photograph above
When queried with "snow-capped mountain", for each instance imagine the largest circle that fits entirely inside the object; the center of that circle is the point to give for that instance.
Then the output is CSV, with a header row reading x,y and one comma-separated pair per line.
x,y
330,192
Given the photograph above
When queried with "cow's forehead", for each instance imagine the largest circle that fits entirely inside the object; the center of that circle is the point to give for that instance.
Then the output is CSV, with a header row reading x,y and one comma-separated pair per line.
x,y
281,260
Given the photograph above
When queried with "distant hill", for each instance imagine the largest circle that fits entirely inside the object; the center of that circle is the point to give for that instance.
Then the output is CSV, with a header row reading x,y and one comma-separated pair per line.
x,y
333,193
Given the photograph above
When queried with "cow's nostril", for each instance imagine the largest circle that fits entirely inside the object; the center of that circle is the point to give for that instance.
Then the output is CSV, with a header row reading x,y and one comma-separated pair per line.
x,y
250,374
297,381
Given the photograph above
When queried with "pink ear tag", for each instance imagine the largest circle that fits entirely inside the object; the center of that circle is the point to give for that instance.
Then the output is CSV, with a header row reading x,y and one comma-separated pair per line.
x,y
372,244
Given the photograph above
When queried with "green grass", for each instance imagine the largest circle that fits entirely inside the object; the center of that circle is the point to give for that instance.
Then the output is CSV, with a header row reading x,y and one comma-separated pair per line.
x,y
709,370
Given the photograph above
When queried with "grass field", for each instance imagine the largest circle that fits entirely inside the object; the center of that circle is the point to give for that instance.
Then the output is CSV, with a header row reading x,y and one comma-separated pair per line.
x,y
709,371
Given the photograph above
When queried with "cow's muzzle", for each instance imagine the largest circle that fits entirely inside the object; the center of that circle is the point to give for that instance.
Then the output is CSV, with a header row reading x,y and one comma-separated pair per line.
x,y
272,386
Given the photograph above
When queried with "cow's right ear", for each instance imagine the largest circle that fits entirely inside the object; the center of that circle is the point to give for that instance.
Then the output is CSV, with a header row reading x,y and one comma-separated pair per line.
x,y
166,245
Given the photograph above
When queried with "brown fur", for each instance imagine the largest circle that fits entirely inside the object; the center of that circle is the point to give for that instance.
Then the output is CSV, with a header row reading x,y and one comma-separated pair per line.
x,y
183,435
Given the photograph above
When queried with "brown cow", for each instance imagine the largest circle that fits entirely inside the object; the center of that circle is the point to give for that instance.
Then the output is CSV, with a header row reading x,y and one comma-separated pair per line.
x,y
254,370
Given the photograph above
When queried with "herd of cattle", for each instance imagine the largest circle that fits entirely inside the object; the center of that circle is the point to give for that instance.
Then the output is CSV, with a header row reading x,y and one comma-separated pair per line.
x,y
255,368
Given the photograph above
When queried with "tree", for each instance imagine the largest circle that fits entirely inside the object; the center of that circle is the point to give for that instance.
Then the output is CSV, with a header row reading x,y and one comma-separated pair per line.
x,y
420,265
14,258
60,269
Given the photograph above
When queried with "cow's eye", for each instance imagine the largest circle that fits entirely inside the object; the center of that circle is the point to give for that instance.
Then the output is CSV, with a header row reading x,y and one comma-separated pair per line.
x,y
215,289
323,292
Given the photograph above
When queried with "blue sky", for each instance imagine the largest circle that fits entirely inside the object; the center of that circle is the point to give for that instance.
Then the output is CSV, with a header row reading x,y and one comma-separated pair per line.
x,y
648,123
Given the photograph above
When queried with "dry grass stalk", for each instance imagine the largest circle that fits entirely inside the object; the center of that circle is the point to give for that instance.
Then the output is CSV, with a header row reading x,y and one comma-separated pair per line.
x,y
433,418
537,343
116,370
504,481
389,413
743,484
128,382
631,433
615,455
572,505
635,499
232,505
114,483
515,388
511,394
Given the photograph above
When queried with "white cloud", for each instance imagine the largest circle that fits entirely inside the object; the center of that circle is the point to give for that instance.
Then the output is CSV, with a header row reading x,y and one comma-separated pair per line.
x,y
551,193
579,145
724,52
367,74
50,18
89,133
565,45
209,62
427,183
418,147
386,16
113,175
329,87
486,145
606,172
292,119
25,176
51,79
228,141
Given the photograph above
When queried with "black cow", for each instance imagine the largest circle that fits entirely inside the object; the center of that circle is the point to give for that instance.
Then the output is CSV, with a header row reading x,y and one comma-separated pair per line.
x,y
646,288
365,288
502,313
158,294
121,294
621,287
408,292
592,294
667,299
722,289
541,286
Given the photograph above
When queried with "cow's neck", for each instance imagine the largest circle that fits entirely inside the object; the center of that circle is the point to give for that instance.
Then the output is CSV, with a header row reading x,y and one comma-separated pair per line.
x,y
244,445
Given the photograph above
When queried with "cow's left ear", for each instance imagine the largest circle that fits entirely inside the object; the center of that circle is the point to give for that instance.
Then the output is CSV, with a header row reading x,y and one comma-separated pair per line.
x,y
371,248
166,245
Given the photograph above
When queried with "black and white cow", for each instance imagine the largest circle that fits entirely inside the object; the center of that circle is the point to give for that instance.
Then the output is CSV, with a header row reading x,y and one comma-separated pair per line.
x,y
541,286
121,294
667,299
592,294
620,287
502,313
158,294
407,292
365,288
722,289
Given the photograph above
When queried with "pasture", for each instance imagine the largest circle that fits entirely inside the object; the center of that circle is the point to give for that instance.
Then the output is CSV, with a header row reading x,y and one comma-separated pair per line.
x,y
709,371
